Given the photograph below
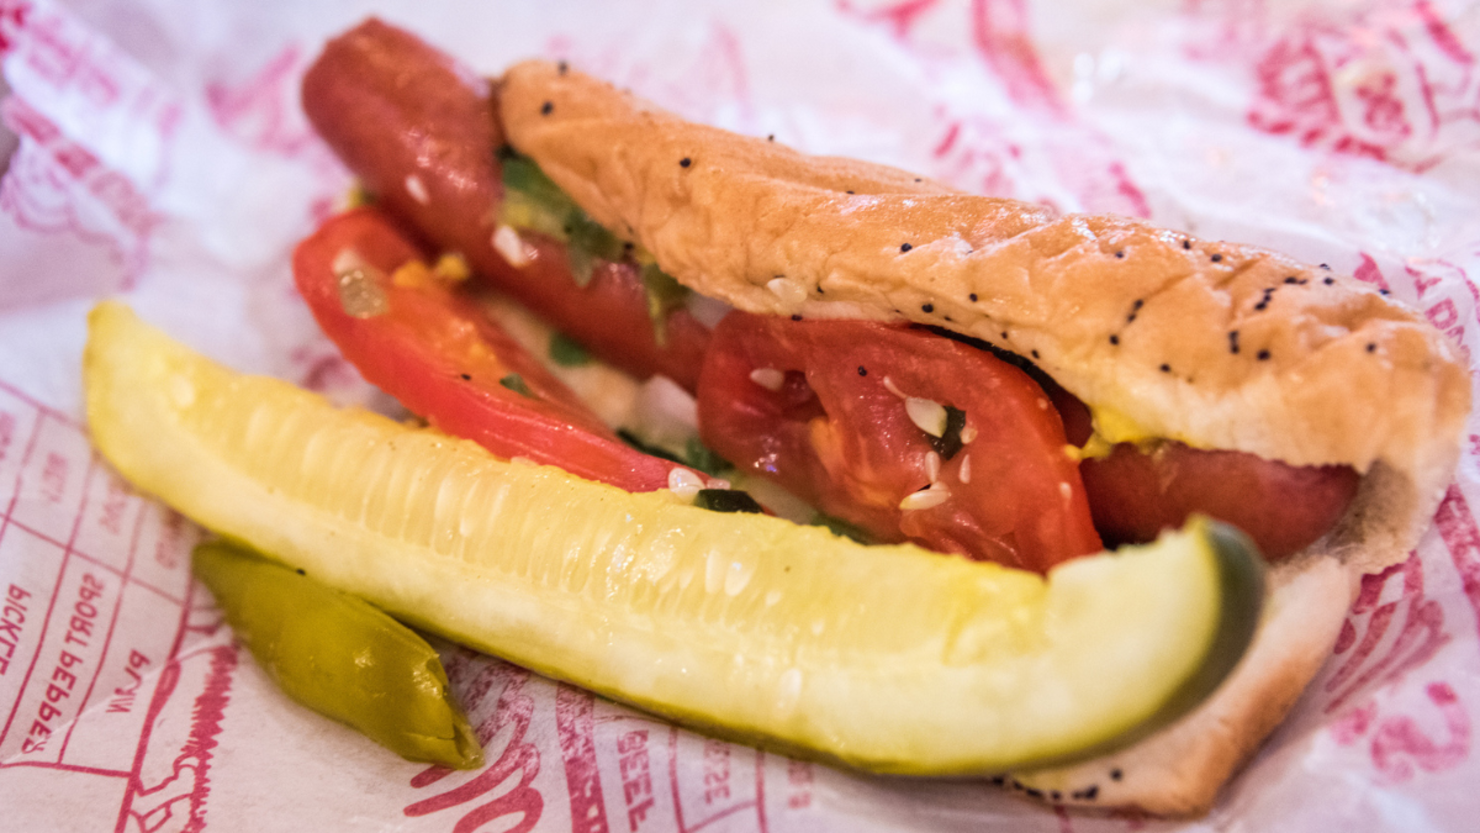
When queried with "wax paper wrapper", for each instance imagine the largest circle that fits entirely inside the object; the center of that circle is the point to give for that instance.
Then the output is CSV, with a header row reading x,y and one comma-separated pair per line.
x,y
156,152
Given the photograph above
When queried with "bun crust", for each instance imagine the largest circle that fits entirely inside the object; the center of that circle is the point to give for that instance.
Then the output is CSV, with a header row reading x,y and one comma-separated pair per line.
x,y
1179,770
1163,335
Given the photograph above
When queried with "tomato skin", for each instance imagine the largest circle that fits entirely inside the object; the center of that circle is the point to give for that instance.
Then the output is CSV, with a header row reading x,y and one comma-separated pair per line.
x,y
396,110
839,438
1135,494
435,351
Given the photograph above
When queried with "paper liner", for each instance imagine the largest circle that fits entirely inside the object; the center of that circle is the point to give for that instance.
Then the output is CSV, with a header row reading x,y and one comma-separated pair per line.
x,y
161,156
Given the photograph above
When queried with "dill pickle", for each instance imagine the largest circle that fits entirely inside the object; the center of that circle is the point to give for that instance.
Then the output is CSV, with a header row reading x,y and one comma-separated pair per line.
x,y
887,658
340,656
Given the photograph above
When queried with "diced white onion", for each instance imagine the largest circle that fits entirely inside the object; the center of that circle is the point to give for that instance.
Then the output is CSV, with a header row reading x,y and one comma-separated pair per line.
x,y
925,498
769,378
361,294
684,483
927,414
506,242
417,189
791,293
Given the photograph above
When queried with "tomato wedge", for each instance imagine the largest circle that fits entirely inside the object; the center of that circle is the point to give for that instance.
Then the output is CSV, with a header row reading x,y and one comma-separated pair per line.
x,y
1136,493
421,132
900,432
431,347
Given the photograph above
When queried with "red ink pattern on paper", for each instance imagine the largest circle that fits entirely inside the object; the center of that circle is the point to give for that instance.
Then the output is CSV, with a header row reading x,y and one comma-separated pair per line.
x,y
1394,627
1001,32
1399,744
900,17
574,727
13,17
1457,526
55,186
635,768
513,712
1394,83
178,802
263,110
974,149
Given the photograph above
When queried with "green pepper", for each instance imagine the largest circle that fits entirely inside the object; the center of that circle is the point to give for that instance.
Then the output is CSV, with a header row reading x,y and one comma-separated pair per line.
x,y
341,657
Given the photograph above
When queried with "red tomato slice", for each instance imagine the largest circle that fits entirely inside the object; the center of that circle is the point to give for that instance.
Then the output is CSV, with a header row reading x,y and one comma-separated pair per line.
x,y
821,407
421,132
1135,494
433,349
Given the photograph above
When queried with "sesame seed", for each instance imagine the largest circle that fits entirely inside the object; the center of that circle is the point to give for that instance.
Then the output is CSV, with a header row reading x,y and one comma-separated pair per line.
x,y
1324,266
1120,254
1233,341
1217,258
1328,281
1004,334
972,296
862,371
685,162
1035,354
1292,279
1263,355
1166,368
1186,244
1371,347
1114,339
771,137
1115,774
927,307
905,247
547,108
466,377
562,67
1383,292
796,317
917,179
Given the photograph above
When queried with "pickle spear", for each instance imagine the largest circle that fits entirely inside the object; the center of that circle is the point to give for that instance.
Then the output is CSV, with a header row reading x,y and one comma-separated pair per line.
x,y
339,656
888,658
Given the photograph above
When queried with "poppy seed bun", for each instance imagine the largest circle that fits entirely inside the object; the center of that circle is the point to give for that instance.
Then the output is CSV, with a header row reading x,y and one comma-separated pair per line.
x,y
1216,345
1164,336
1178,770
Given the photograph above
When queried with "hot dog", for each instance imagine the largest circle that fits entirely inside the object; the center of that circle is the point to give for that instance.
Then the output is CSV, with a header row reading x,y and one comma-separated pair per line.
x,y
1167,339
